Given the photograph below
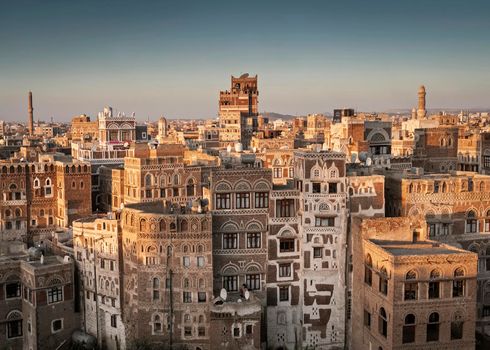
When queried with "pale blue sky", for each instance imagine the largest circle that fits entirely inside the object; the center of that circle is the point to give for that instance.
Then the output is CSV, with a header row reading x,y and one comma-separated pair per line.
x,y
173,57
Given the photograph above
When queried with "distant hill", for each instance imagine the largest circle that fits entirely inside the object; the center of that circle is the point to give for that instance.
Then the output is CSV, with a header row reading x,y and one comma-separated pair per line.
x,y
274,116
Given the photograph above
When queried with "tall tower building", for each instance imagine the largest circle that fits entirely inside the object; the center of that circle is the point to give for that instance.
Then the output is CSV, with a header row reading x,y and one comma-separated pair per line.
x,y
238,111
30,109
421,112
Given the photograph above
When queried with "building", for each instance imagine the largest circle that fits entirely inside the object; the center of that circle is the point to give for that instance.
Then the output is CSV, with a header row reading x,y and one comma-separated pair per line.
x,y
40,196
97,242
409,292
320,177
37,299
238,111
82,128
168,274
239,201
453,208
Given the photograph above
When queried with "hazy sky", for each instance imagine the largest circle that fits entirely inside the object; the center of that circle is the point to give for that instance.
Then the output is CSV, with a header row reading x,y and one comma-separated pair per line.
x,y
173,57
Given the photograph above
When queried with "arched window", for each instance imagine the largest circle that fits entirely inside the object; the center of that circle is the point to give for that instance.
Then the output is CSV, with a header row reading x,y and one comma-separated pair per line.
x,y
18,212
471,222
157,324
409,329
383,323
176,179
383,281
169,250
37,183
185,283
190,189
368,270
458,283
433,327
163,225
411,286
14,324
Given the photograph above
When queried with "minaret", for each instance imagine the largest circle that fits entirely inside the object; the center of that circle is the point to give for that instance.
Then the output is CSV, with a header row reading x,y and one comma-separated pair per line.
x,y
421,112
30,109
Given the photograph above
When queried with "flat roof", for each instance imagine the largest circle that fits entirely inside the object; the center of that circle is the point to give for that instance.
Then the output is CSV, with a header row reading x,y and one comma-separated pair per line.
x,y
401,248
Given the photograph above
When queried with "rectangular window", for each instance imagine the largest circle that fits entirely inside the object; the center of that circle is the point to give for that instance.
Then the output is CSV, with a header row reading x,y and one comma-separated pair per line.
x,y
201,297
284,293
433,290
14,329
56,326
456,330
223,201
187,331
243,200
284,270
324,222
383,285
230,283
230,240
253,240
187,297
317,252
201,331
367,319
12,290
261,199
285,208
286,245
277,173
253,281
458,288
186,261
55,295
316,187
332,187
200,261
411,291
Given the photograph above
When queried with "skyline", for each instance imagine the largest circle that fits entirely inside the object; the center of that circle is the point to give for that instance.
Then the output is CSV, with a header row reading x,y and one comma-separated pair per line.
x,y
173,59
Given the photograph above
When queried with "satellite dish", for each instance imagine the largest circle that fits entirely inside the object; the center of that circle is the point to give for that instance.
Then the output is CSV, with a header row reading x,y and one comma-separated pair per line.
x,y
363,156
353,157
369,162
126,145
223,294
247,295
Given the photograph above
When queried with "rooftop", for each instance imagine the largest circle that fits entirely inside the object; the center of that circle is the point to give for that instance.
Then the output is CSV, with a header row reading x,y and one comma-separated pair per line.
x,y
408,248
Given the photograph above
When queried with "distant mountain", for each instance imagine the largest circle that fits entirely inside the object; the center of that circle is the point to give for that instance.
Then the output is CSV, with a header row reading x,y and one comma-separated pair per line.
x,y
273,116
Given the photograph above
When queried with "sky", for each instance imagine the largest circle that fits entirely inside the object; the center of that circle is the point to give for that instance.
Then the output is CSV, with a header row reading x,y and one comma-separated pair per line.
x,y
173,57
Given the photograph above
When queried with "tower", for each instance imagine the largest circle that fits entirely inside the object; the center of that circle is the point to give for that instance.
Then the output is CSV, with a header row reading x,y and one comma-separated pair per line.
x,y
30,110
421,112
162,127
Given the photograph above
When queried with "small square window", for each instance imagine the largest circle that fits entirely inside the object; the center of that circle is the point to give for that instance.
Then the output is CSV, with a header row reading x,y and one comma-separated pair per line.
x,y
317,252
236,332
57,325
